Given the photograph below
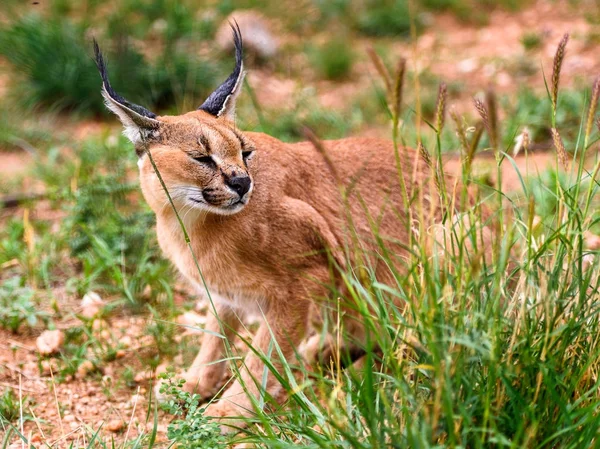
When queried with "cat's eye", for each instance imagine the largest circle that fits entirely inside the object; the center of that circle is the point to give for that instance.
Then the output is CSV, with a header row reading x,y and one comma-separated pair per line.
x,y
206,160
246,154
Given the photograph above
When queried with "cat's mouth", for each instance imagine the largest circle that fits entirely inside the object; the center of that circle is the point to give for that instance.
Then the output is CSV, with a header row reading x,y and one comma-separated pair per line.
x,y
224,208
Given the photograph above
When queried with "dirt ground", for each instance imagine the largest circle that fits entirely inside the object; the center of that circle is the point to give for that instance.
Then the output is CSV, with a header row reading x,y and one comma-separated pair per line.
x,y
474,56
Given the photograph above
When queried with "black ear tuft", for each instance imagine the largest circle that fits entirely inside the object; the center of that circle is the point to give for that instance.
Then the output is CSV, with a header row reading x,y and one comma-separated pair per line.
x,y
222,100
140,124
110,91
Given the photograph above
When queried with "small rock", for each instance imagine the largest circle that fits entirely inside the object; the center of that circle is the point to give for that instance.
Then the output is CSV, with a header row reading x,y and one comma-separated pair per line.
x,y
147,293
126,341
105,334
30,368
143,376
146,340
48,367
49,342
69,418
467,65
115,425
258,38
135,399
99,325
192,321
91,304
84,369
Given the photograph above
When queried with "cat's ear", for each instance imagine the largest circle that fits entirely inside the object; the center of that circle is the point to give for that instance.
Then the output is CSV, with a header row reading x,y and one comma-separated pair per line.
x,y
221,103
140,124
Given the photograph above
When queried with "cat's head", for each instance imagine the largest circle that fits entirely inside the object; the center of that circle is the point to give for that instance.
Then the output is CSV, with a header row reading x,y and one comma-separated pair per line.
x,y
201,157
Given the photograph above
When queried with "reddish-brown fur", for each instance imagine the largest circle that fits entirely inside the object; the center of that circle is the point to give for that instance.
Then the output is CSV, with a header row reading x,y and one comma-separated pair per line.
x,y
273,256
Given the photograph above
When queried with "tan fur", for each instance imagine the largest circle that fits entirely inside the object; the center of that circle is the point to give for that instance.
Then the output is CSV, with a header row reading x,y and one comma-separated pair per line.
x,y
274,256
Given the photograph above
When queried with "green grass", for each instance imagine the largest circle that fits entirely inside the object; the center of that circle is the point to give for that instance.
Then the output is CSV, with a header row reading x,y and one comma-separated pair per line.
x,y
18,305
334,59
51,60
10,406
532,40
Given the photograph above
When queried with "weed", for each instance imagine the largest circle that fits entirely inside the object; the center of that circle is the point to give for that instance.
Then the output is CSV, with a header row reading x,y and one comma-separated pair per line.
x,y
531,41
191,429
11,406
333,60
472,11
384,18
17,305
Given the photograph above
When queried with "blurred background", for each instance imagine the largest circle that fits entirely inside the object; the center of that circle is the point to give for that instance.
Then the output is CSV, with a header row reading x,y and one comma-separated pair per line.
x,y
77,249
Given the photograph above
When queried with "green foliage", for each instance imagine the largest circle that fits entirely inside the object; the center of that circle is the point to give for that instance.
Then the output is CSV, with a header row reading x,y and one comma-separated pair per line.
x,y
15,134
12,245
17,305
334,59
191,429
10,407
473,11
533,110
531,41
384,18
111,238
52,59
545,190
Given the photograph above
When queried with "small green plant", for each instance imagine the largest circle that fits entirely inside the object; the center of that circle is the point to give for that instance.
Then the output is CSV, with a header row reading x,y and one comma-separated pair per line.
x,y
385,18
334,59
191,429
10,407
17,305
531,40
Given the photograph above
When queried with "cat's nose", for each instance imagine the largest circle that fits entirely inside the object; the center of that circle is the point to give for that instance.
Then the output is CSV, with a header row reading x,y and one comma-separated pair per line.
x,y
239,184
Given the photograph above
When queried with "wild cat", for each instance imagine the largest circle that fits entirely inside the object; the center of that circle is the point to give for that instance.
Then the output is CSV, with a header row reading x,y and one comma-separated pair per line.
x,y
267,224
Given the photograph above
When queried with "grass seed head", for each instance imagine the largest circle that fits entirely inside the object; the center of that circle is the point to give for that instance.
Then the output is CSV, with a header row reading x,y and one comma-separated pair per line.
x,y
440,107
398,86
435,169
593,107
461,132
485,116
424,154
556,67
560,148
492,109
380,67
